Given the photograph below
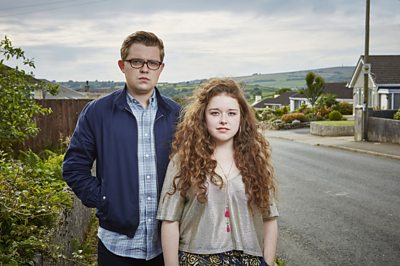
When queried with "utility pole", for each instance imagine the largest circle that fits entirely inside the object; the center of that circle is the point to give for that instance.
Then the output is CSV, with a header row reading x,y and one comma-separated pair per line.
x,y
367,70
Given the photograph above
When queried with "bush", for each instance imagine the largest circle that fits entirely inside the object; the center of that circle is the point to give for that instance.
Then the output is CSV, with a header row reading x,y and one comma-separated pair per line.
x,y
32,195
305,109
281,111
327,100
397,115
289,118
314,117
267,114
258,114
264,114
322,111
344,108
335,116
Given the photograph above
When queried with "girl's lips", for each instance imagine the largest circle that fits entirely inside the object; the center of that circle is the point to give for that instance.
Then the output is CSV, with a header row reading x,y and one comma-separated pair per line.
x,y
222,129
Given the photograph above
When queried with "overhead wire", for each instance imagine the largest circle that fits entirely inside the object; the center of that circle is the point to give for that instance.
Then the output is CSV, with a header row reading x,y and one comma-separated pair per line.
x,y
69,4
35,4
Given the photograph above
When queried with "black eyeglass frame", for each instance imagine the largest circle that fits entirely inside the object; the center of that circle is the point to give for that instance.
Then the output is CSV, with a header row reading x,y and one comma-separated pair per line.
x,y
143,62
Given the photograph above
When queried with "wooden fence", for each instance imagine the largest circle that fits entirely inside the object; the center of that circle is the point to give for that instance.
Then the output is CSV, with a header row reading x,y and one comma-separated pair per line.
x,y
57,126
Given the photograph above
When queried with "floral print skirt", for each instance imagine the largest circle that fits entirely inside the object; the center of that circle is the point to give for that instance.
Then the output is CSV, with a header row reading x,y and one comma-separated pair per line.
x,y
226,258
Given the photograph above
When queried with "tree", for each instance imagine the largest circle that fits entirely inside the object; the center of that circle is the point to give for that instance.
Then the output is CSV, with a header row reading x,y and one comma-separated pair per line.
x,y
327,100
283,90
18,109
315,87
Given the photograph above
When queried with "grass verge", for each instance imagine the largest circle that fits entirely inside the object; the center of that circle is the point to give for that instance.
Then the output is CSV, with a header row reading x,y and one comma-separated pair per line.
x,y
336,123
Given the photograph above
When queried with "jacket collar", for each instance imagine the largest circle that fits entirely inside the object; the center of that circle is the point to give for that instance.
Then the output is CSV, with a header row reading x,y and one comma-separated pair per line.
x,y
121,103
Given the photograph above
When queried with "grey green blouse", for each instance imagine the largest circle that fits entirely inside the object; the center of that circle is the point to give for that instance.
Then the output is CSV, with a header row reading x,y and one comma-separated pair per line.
x,y
202,226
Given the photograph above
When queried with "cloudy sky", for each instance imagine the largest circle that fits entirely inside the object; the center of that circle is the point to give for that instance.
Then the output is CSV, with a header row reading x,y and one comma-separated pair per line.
x,y
80,39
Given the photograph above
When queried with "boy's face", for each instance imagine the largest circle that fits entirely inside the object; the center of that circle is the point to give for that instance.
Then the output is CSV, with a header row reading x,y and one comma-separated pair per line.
x,y
141,81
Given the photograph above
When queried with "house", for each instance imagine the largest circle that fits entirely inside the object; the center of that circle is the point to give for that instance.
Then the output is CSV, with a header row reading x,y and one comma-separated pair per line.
x,y
63,93
274,103
40,93
383,82
339,89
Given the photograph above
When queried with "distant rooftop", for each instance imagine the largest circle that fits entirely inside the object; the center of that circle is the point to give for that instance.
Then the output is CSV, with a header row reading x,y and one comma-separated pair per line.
x,y
338,89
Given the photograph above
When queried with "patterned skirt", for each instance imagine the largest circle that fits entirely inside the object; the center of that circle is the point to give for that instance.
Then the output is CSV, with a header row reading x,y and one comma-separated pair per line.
x,y
226,258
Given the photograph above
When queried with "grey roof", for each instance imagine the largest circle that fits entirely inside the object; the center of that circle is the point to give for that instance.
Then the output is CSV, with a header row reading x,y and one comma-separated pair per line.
x,y
65,93
385,69
338,89
282,99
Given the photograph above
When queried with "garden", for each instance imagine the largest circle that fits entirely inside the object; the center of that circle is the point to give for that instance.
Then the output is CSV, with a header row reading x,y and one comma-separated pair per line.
x,y
33,194
327,108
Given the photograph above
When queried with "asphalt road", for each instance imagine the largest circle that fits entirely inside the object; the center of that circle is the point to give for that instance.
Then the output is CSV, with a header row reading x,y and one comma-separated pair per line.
x,y
336,207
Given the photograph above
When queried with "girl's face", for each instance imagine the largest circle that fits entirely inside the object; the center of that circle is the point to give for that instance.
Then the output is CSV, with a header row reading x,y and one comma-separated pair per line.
x,y
223,118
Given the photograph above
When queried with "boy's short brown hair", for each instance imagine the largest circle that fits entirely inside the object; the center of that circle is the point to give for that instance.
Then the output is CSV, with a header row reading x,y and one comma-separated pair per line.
x,y
142,37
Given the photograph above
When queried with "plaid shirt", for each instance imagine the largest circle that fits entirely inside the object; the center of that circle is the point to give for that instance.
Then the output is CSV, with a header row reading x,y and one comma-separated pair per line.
x,y
146,243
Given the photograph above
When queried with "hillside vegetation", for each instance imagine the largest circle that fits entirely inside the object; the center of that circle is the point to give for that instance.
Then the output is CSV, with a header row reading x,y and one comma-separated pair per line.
x,y
296,79
256,84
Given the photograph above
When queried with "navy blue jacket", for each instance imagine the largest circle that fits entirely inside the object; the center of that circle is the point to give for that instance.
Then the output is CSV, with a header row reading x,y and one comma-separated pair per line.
x,y
107,132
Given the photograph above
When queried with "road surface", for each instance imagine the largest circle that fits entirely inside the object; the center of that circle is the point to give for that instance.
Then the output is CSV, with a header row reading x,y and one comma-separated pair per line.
x,y
336,207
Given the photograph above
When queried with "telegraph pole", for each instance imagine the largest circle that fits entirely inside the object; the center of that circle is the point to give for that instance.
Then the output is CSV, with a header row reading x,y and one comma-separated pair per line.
x,y
367,69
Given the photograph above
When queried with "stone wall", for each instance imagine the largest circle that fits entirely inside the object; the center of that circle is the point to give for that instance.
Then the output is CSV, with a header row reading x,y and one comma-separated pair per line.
x,y
327,130
72,227
383,114
383,130
381,126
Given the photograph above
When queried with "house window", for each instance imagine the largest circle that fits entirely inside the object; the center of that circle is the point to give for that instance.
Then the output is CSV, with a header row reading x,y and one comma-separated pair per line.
x,y
396,101
370,99
359,97
389,101
297,104
383,101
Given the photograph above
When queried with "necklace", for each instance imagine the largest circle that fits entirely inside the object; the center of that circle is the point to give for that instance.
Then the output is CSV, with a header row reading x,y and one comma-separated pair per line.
x,y
227,213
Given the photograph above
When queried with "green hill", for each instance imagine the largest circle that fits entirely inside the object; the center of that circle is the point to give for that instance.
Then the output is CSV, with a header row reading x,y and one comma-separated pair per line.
x,y
296,79
256,84
266,84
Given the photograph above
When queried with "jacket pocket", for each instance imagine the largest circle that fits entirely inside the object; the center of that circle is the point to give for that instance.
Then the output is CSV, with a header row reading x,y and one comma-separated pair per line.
x,y
102,209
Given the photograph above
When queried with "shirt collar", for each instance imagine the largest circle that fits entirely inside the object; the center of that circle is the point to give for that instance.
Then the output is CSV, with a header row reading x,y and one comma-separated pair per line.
x,y
152,100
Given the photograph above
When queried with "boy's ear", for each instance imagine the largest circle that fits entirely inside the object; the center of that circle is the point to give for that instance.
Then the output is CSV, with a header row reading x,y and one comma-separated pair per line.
x,y
121,65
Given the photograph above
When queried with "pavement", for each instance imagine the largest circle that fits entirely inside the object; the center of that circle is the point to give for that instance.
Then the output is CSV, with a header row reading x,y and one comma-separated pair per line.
x,y
389,150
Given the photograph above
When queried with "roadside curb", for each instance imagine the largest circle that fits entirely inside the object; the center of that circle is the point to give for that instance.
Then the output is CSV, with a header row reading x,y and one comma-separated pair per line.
x,y
361,151
396,157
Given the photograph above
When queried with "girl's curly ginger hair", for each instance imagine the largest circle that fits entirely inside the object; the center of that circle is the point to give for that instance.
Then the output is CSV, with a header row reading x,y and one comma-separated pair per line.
x,y
194,147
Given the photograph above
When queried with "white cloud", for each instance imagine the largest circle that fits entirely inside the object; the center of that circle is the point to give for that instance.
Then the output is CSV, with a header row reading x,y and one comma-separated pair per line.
x,y
81,40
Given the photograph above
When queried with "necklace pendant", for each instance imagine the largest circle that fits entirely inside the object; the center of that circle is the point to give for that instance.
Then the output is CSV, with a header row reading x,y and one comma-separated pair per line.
x,y
228,228
227,213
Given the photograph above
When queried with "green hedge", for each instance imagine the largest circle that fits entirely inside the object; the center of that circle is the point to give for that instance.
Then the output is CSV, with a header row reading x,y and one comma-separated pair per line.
x,y
32,195
396,116
335,116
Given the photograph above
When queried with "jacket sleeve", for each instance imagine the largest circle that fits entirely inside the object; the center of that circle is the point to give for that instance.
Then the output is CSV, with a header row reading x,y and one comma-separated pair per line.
x,y
78,161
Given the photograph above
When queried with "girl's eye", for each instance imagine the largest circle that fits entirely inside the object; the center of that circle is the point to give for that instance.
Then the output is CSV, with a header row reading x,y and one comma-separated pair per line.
x,y
214,113
232,113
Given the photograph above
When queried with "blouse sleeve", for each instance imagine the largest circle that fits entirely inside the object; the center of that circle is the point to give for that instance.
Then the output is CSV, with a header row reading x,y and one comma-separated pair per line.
x,y
273,212
170,207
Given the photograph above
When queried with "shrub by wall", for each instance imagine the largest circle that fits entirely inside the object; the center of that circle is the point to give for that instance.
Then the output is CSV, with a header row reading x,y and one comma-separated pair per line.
x,y
396,116
344,108
32,195
289,118
335,116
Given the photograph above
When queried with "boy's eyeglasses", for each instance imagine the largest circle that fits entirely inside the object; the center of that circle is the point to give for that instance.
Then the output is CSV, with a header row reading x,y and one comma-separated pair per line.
x,y
139,63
